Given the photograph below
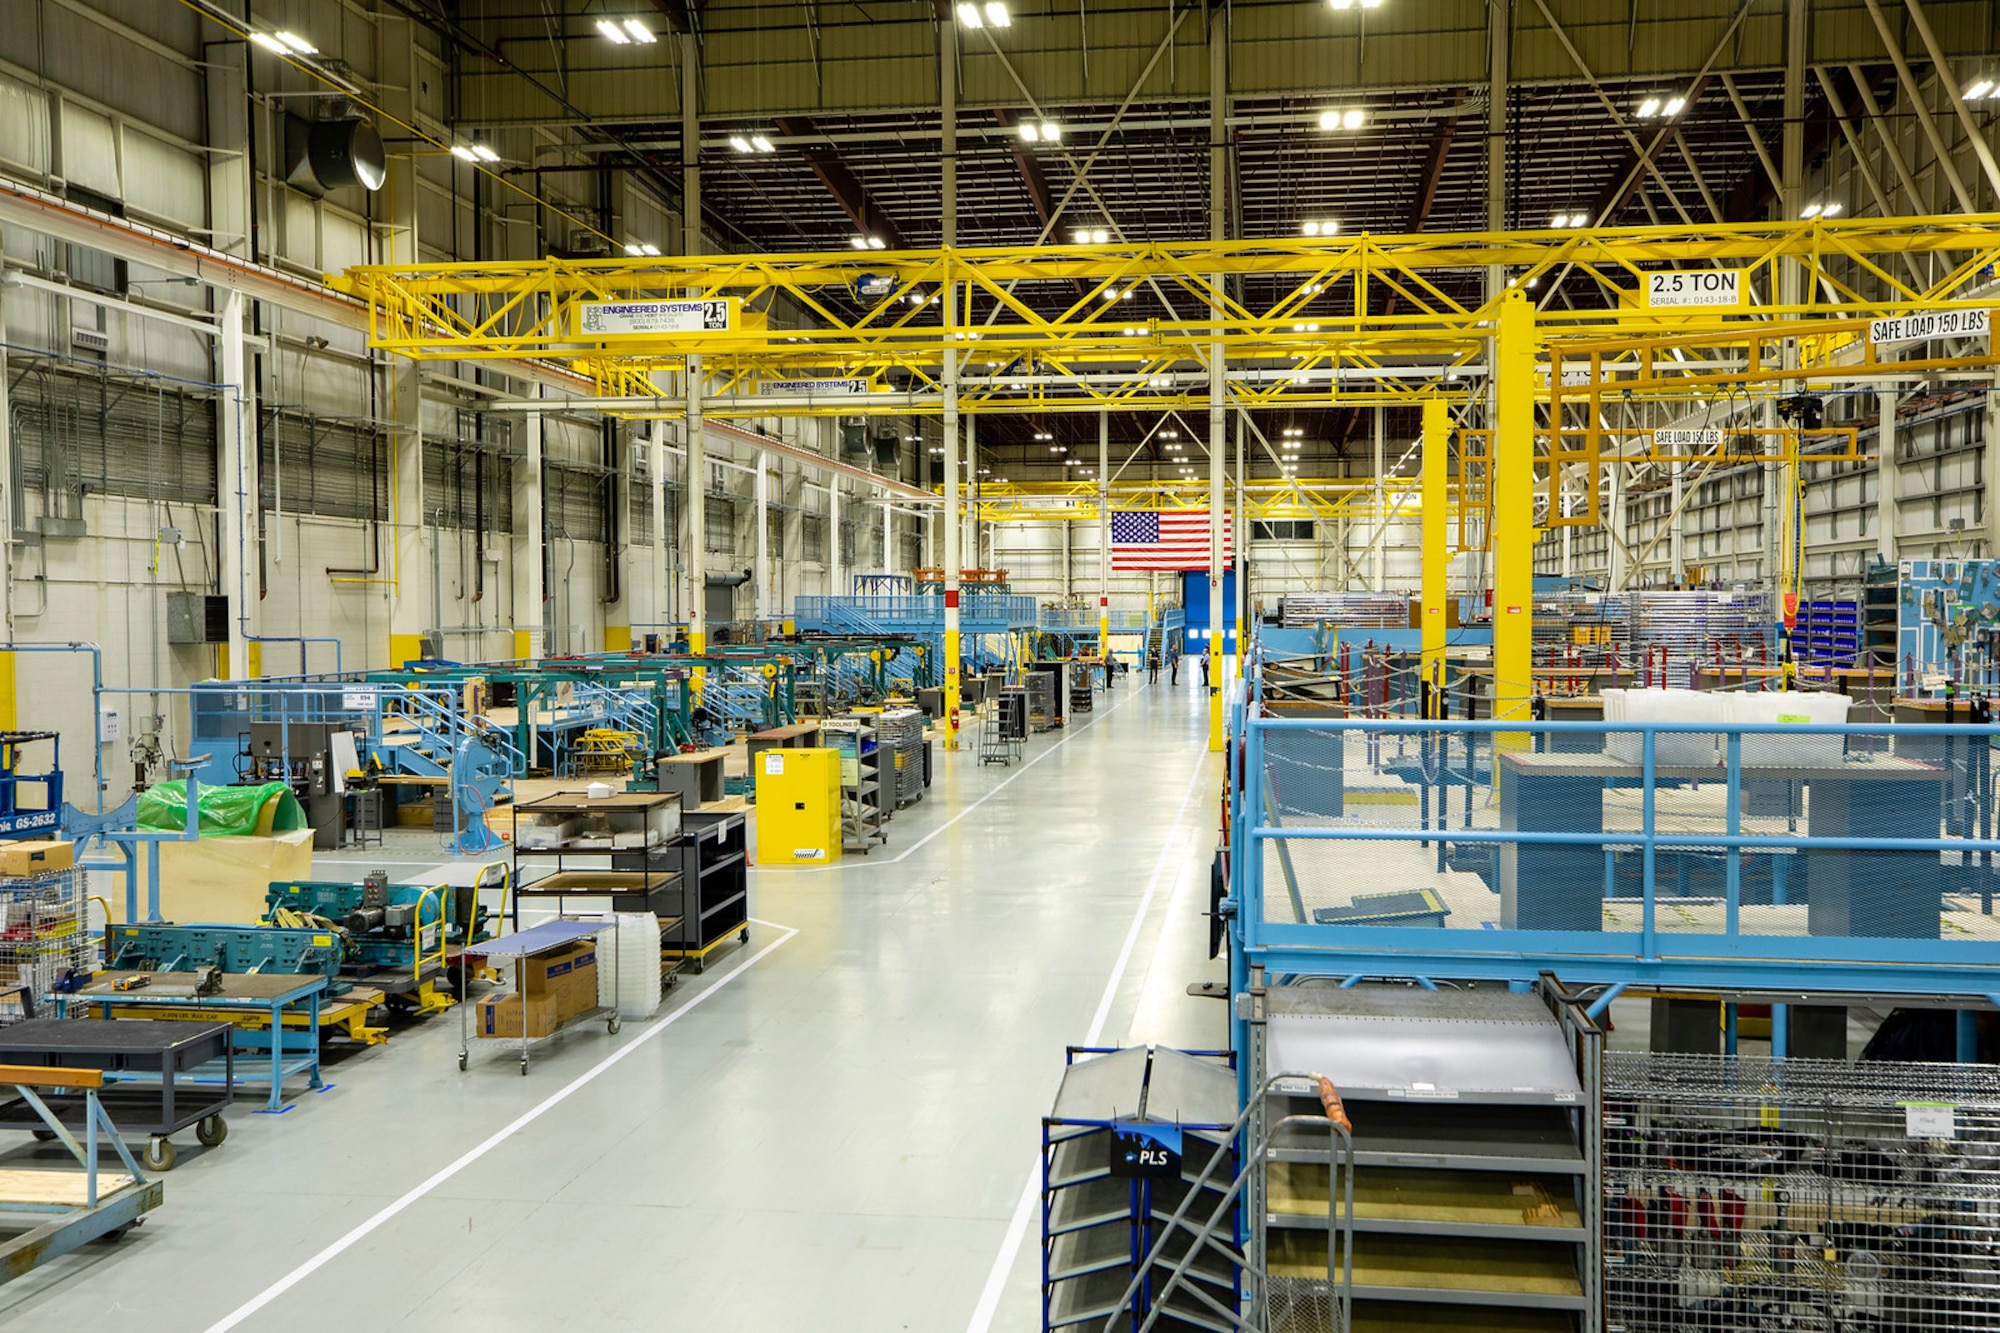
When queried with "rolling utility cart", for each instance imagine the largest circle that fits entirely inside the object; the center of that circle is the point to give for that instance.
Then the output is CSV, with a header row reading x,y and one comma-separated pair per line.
x,y
638,827
46,1213
522,949
147,1068
711,863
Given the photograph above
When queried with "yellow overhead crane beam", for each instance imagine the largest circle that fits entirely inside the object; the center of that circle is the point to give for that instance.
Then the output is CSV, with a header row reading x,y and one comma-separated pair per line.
x,y
1302,498
1357,319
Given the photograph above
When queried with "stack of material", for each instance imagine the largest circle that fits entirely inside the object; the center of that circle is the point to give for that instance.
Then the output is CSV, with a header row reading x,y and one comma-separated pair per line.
x,y
901,731
634,984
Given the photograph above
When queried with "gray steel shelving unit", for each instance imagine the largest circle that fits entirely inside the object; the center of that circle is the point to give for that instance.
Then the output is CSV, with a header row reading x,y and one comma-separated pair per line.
x,y
1477,1133
866,802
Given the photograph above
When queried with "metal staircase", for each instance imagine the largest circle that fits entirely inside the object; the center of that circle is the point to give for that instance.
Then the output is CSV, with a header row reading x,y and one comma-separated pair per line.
x,y
438,728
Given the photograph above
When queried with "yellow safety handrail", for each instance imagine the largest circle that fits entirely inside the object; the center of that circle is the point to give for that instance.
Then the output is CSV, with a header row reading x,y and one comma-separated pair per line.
x,y
417,939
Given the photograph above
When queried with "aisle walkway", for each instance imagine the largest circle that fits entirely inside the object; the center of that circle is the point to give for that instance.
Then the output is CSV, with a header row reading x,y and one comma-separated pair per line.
x,y
832,1130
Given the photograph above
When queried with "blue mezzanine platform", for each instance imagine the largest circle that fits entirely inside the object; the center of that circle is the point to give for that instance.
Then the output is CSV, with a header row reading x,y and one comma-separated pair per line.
x,y
1813,859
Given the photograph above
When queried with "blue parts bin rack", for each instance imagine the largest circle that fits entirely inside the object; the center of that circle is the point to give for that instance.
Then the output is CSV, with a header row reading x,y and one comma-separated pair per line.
x,y
1103,1211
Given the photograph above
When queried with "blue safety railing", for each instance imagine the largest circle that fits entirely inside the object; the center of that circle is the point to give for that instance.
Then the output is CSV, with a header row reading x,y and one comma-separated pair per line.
x,y
1859,858
1074,619
979,613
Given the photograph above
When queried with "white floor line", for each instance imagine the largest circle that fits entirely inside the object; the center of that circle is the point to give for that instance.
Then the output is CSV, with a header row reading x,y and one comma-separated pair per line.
x,y
1024,1211
865,863
526,1118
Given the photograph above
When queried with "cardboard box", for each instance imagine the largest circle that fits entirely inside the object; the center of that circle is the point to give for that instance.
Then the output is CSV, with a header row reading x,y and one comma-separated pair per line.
x,y
503,1015
579,985
567,977
35,856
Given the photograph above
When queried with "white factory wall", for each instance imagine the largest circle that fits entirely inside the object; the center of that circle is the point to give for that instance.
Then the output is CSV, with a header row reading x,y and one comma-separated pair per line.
x,y
1339,558
107,103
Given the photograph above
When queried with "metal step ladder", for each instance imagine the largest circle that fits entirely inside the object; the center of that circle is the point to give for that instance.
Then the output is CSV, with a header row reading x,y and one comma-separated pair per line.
x,y
1170,1264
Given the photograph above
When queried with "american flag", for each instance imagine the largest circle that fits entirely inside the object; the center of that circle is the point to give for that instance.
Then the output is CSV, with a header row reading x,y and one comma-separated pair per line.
x,y
1173,539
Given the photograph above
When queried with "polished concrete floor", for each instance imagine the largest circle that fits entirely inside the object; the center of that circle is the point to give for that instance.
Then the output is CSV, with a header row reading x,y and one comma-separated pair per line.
x,y
832,1129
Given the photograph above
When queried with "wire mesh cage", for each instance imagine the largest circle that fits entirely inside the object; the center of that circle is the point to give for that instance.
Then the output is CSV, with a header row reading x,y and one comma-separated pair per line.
x,y
1803,1195
43,937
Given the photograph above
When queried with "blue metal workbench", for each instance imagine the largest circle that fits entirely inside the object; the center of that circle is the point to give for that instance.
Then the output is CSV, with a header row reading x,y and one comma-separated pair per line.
x,y
241,993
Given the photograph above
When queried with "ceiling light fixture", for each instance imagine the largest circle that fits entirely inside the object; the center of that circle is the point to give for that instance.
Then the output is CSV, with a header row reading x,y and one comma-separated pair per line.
x,y
1978,89
761,144
875,243
1810,211
858,242
650,250
1353,120
1051,132
633,251
484,153
968,16
1674,106
997,15
640,32
1649,108
297,45
463,154
1319,229
740,144
270,43
613,33
1026,129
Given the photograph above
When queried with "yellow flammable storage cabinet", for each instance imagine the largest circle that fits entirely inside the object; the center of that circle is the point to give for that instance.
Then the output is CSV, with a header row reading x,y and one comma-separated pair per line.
x,y
798,806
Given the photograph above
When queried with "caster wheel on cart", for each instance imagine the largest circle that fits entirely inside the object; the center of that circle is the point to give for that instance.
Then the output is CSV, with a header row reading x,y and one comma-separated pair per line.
x,y
160,1154
45,1136
699,965
461,1062
118,1232
612,1026
210,1131
524,1069
744,936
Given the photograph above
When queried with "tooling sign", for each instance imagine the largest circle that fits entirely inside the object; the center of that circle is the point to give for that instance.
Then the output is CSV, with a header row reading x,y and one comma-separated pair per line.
x,y
613,319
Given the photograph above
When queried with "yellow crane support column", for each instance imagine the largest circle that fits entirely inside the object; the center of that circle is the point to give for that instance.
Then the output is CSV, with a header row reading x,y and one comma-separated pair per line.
x,y
1513,482
1218,455
1104,542
952,526
1437,552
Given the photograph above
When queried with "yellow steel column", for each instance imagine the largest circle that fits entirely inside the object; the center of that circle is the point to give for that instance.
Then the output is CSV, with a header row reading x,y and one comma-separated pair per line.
x,y
1104,542
1437,554
1513,482
951,522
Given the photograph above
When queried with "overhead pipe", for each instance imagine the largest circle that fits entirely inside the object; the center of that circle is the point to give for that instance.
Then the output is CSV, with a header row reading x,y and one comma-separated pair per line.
x,y
96,697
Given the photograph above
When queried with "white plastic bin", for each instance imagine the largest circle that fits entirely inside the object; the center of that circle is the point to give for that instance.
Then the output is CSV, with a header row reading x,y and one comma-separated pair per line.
x,y
1788,707
1693,749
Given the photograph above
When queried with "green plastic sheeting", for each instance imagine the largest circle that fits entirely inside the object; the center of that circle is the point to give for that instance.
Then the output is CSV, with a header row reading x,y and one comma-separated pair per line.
x,y
226,812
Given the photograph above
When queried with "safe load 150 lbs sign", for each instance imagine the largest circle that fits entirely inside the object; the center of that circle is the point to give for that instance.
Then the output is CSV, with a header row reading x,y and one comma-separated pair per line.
x,y
1931,324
